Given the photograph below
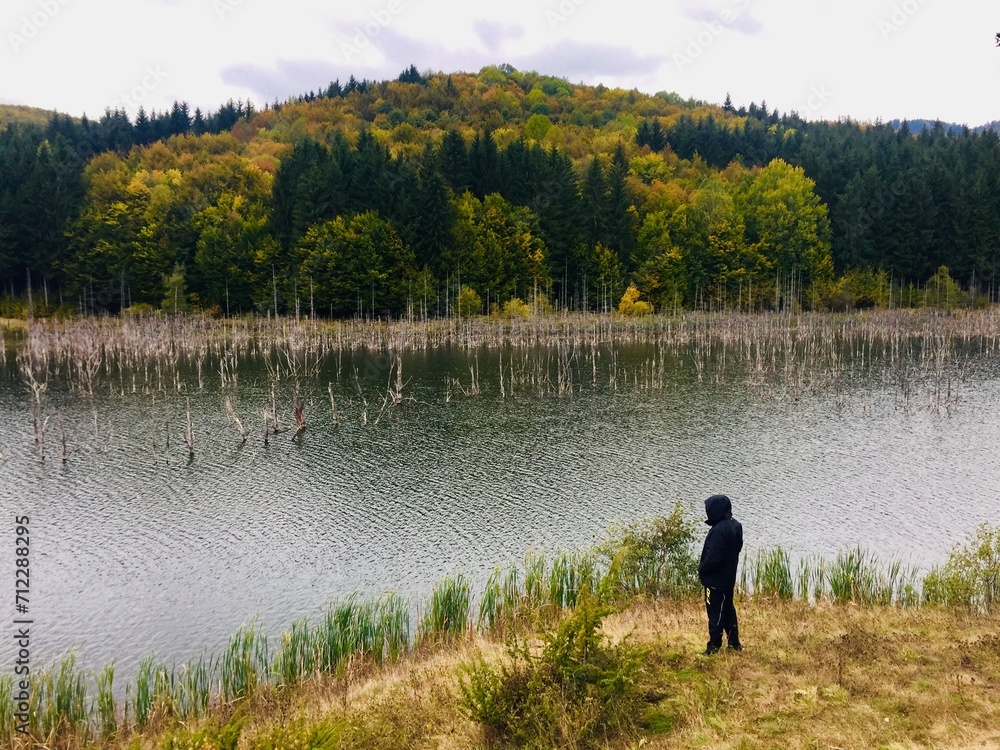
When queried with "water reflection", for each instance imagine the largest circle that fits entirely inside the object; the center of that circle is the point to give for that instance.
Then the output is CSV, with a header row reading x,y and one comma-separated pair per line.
x,y
138,549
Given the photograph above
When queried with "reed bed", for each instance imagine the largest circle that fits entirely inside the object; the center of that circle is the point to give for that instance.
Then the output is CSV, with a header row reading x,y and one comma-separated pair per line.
x,y
651,559
447,614
855,576
801,350
923,359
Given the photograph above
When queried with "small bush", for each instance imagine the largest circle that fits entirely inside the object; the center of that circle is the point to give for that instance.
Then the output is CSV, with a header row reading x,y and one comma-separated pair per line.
x,y
971,576
469,302
631,305
578,692
655,558
516,308
943,292
139,310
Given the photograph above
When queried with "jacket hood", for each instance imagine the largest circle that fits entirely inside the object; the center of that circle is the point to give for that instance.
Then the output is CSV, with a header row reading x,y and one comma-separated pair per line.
x,y
718,508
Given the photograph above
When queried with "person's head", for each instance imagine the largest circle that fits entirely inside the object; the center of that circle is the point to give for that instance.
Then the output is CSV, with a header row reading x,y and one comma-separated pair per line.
x,y
718,508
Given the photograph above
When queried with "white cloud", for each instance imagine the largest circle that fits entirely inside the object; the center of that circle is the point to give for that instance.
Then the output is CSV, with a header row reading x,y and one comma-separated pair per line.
x,y
81,58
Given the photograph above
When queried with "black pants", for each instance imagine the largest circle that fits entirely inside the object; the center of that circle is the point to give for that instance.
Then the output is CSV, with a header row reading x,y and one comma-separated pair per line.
x,y
721,618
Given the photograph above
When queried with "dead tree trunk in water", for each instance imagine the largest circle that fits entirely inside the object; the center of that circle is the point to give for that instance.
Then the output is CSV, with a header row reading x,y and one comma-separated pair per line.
x,y
189,430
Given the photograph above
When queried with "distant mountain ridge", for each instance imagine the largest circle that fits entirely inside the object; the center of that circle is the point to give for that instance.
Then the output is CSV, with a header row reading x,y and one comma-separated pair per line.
x,y
19,113
918,126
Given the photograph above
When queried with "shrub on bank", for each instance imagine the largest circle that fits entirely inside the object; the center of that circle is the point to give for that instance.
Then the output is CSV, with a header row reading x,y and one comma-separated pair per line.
x,y
577,692
971,576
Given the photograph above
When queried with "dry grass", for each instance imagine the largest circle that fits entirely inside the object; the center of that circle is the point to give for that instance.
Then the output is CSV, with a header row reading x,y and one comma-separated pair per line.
x,y
823,677
13,324
812,676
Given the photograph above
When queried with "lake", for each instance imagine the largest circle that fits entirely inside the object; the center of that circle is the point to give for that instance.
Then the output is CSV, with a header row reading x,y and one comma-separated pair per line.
x,y
137,548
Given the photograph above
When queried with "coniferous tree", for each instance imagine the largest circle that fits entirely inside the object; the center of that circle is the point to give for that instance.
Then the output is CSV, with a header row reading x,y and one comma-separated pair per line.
x,y
180,118
432,235
594,204
453,161
484,167
620,215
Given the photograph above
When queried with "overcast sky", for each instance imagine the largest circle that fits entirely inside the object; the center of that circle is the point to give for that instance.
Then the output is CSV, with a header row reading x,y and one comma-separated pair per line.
x,y
863,59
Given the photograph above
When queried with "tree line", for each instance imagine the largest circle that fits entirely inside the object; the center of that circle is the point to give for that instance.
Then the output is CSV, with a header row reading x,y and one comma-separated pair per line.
x,y
403,196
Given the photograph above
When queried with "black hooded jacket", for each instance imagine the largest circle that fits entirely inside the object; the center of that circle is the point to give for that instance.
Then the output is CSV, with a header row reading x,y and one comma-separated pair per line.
x,y
721,554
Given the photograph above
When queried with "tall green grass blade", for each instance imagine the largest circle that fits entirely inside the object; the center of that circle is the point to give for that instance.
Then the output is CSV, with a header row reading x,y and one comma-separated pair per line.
x,y
447,614
107,711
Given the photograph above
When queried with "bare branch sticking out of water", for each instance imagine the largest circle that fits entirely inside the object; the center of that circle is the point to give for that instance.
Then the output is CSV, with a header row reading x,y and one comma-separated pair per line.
x,y
474,372
277,424
189,430
62,437
300,416
235,418
333,406
361,394
503,393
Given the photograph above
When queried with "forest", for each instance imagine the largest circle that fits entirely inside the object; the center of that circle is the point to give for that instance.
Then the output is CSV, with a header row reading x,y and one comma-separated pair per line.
x,y
435,194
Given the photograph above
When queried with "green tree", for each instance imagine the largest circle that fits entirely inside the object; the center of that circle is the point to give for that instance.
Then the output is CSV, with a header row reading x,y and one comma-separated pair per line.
x,y
537,126
497,250
174,291
433,222
942,291
787,224
357,266
621,215
232,237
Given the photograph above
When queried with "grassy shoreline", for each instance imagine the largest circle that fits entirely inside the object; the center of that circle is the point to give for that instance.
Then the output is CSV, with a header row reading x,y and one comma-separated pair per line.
x,y
823,662
811,676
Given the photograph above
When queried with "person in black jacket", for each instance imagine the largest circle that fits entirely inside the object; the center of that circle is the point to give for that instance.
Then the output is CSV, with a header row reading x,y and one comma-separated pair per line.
x,y
717,572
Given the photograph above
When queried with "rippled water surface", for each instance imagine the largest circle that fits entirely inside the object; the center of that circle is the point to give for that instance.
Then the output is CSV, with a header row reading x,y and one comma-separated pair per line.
x,y
135,548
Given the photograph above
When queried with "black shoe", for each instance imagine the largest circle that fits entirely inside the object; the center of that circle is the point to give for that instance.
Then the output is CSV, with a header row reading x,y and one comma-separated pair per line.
x,y
735,646
710,650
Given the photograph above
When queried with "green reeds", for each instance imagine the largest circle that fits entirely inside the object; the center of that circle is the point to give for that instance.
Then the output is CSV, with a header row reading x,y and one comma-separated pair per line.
x,y
559,582
245,664
771,574
378,630
394,619
107,711
156,691
502,600
7,723
59,701
447,614
491,602
856,576
296,658
337,637
195,688
571,572
535,594
165,698
143,705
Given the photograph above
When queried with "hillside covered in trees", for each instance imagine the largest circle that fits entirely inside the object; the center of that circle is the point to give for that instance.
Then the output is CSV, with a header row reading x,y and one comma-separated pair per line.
x,y
414,195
